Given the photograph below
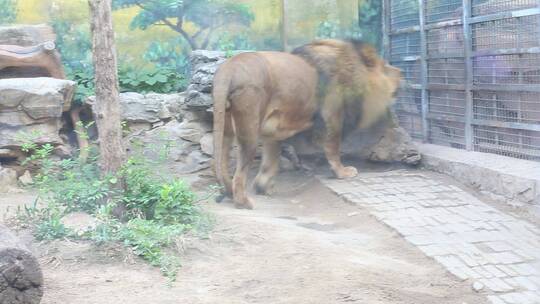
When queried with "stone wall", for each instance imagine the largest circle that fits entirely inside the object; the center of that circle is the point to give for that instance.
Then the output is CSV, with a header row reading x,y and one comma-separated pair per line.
x,y
32,106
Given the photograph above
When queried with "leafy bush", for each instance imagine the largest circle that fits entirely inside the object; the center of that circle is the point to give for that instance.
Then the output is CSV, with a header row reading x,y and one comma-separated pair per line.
x,y
159,212
164,80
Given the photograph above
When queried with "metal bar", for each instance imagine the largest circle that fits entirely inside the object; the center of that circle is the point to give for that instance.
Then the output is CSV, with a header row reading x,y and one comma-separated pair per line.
x,y
386,29
506,88
407,58
506,125
533,50
407,112
424,69
467,42
505,15
405,30
412,86
443,117
455,87
443,56
442,24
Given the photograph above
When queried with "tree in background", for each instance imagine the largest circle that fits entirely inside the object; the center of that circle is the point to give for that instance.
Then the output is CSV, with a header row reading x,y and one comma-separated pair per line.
x,y
370,21
8,11
206,15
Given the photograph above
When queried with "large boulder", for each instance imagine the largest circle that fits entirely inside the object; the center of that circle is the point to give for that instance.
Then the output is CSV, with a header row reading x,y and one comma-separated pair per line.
x,y
204,64
8,180
385,141
147,111
32,106
25,35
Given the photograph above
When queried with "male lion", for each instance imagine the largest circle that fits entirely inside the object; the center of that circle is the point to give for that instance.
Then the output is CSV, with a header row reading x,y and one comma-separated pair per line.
x,y
275,95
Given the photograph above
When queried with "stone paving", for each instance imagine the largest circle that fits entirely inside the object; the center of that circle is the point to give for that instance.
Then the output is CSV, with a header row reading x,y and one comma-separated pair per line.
x,y
497,252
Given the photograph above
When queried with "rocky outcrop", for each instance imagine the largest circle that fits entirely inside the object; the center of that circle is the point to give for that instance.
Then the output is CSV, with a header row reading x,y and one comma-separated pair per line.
x,y
32,106
26,35
204,65
8,180
29,36
147,111
384,142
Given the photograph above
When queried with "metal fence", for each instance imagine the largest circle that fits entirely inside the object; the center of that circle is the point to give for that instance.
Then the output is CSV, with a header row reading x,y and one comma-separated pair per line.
x,y
472,70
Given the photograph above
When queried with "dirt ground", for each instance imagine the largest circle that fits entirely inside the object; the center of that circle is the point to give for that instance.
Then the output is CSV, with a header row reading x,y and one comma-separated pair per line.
x,y
302,245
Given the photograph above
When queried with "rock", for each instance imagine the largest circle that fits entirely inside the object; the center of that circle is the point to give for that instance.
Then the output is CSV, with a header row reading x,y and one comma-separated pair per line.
x,y
26,179
385,142
285,164
26,35
79,222
204,65
395,145
192,131
196,161
148,109
32,106
8,180
207,144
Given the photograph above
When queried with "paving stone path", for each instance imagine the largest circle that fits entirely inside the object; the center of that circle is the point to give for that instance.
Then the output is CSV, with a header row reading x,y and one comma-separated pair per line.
x,y
497,252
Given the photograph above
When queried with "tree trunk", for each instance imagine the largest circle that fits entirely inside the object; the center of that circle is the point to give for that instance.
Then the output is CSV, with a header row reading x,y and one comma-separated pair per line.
x,y
107,105
21,280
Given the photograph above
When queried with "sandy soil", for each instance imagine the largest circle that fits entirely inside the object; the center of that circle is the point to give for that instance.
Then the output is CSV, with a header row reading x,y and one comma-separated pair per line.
x,y
302,245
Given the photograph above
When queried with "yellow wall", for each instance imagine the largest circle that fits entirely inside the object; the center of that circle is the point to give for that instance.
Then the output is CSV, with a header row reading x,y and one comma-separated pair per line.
x,y
133,43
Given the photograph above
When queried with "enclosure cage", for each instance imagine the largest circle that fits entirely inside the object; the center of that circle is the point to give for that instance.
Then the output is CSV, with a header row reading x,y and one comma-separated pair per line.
x,y
472,72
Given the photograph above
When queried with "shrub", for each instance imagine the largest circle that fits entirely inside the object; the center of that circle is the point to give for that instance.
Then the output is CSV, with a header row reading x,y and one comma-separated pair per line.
x,y
159,212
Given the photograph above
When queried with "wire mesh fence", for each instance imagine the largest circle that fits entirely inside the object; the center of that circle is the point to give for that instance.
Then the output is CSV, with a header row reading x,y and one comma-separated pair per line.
x,y
472,71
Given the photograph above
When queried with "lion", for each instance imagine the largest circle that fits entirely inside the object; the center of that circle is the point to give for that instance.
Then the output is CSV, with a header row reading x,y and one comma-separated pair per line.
x,y
273,96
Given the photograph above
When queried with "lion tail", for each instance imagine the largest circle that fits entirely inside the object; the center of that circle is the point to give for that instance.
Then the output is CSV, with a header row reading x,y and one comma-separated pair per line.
x,y
222,81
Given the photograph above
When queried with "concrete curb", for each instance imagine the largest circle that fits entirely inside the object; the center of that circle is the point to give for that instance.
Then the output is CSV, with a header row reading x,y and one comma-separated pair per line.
x,y
514,181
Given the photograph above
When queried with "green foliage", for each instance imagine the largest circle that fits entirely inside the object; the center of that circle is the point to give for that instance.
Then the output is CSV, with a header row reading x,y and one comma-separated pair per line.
x,y
47,221
228,43
206,15
8,11
175,204
159,211
370,21
164,80
332,30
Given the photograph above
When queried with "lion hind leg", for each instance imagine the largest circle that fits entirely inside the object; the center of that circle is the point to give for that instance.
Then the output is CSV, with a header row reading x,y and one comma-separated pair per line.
x,y
269,167
246,128
228,138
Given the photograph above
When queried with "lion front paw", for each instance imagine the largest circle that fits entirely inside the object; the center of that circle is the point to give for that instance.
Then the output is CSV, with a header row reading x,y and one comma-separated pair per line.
x,y
346,172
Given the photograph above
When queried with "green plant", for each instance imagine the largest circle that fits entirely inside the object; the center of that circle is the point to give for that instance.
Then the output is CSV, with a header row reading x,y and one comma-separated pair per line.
x,y
176,204
8,13
159,211
162,80
370,21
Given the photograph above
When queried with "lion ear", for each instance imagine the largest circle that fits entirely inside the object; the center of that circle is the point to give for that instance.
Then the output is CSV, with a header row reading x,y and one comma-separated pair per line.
x,y
369,56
